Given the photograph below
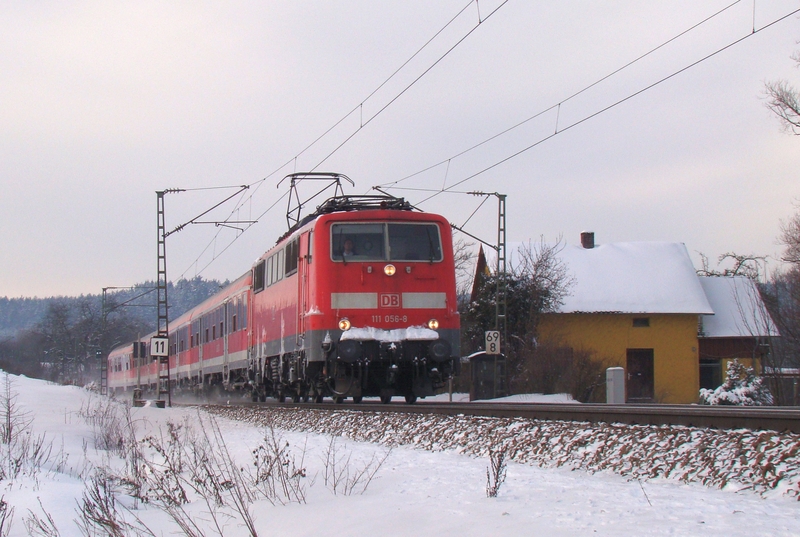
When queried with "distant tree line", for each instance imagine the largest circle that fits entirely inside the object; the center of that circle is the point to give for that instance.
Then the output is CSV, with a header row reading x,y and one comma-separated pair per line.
x,y
59,338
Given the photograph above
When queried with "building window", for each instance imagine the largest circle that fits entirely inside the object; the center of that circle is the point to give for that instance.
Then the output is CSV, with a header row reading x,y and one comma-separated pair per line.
x,y
641,322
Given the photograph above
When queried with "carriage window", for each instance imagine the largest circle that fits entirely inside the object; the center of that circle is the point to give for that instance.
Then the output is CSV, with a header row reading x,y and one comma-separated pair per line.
x,y
259,276
291,257
414,242
358,242
279,266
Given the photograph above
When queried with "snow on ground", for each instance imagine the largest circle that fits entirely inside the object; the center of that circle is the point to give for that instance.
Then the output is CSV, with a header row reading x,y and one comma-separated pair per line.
x,y
414,492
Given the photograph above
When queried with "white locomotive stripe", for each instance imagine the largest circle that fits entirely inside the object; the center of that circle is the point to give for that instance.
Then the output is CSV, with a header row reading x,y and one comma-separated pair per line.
x,y
357,301
424,300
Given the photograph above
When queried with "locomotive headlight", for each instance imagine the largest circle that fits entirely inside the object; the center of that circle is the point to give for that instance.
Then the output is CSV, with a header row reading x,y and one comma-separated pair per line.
x,y
433,324
389,270
344,324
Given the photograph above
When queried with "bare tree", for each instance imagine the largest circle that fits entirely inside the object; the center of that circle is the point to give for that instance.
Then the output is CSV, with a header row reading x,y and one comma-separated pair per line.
x,y
790,238
463,258
747,265
784,101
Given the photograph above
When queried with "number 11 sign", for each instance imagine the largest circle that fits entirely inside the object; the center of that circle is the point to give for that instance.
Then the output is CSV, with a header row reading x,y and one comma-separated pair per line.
x,y
159,347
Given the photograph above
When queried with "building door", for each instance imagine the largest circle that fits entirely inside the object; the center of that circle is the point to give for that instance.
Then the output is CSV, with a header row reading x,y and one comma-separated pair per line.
x,y
639,385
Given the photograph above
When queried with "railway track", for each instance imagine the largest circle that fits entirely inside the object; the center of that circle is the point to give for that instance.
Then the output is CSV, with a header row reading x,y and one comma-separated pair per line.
x,y
719,417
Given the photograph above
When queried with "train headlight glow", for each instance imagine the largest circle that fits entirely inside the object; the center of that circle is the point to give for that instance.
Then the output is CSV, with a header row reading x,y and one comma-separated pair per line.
x,y
433,324
389,270
344,325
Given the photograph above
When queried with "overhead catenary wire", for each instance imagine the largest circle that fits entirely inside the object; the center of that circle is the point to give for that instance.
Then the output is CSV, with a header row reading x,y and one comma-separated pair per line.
x,y
426,71
557,106
604,109
557,131
257,184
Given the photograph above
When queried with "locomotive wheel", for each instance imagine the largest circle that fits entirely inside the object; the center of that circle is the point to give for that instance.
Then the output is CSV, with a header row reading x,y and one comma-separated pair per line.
x,y
296,398
338,399
386,399
281,397
318,398
357,399
411,399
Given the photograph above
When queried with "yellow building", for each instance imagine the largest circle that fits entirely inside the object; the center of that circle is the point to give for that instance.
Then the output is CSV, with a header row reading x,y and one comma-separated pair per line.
x,y
634,305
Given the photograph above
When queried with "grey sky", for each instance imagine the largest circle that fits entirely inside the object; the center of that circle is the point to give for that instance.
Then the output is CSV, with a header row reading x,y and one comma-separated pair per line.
x,y
103,103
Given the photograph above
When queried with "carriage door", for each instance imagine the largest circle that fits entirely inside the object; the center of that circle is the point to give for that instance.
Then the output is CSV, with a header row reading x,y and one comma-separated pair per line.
x,y
639,385
224,329
303,262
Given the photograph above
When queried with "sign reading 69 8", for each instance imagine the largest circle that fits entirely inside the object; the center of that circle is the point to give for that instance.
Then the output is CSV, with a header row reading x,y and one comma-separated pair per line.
x,y
492,341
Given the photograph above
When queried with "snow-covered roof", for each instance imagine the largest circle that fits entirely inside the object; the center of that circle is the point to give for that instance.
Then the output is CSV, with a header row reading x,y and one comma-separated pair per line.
x,y
633,277
739,310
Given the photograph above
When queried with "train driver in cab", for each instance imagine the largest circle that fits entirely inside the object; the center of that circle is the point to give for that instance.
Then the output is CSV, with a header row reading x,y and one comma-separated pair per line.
x,y
348,249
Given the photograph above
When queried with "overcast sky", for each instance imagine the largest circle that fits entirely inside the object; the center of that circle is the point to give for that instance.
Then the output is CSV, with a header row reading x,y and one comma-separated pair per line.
x,y
104,103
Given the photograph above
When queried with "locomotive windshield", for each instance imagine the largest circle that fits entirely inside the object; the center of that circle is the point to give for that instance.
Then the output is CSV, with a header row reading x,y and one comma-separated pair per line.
x,y
385,242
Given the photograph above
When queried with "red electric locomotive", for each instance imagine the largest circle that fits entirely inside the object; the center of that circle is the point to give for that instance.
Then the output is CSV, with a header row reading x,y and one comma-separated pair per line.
x,y
358,299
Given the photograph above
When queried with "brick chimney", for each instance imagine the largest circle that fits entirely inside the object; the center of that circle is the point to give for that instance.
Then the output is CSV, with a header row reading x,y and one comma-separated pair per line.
x,y
587,239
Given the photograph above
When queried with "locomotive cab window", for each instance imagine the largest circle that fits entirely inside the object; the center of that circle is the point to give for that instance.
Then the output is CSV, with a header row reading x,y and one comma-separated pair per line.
x,y
358,242
414,242
385,242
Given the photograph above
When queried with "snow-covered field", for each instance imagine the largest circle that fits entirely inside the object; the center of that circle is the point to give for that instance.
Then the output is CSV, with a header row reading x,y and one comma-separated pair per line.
x,y
412,491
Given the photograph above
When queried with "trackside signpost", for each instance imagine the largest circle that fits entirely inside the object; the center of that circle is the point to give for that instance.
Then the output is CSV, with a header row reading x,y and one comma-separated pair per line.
x,y
159,351
492,341
159,347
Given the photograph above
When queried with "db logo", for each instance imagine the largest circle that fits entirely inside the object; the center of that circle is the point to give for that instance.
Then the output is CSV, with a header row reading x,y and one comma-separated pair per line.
x,y
390,300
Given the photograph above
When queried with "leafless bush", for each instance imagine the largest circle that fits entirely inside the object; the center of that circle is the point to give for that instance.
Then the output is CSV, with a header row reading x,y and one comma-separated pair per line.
x,y
23,452
342,475
109,419
496,473
550,367
232,481
190,463
98,512
276,473
14,422
41,527
6,517
164,477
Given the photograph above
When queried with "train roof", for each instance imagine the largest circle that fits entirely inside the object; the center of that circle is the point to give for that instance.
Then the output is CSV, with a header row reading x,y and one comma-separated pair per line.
x,y
242,282
350,203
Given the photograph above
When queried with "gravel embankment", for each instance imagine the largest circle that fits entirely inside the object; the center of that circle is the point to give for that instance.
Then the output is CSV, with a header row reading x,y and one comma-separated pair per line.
x,y
766,462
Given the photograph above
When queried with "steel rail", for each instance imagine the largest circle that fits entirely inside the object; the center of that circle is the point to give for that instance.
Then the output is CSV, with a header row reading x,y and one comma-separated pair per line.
x,y
719,417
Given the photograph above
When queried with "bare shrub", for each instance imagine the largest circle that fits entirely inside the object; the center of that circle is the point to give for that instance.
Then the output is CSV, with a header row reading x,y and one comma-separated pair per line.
x,y
343,476
6,517
187,463
109,419
14,422
23,452
164,476
41,527
557,368
98,512
496,473
276,474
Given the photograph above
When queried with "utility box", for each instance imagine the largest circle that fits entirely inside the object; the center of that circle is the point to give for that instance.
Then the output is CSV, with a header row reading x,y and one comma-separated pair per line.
x,y
488,376
615,386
